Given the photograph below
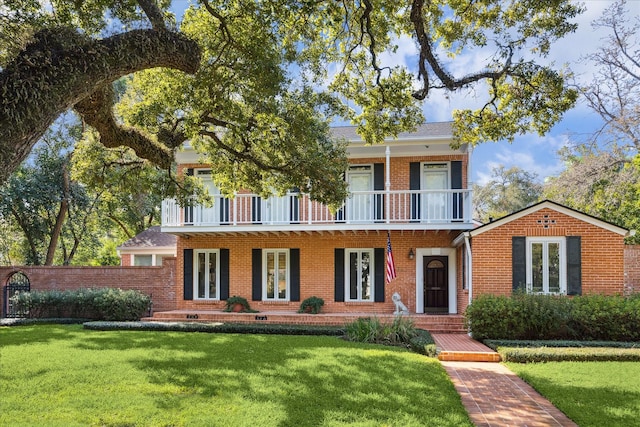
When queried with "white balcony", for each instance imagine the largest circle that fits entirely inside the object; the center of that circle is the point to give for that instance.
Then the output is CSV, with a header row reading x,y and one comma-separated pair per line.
x,y
363,210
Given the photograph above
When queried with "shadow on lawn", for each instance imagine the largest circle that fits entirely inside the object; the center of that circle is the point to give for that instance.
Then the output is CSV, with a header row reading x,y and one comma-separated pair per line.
x,y
312,379
595,406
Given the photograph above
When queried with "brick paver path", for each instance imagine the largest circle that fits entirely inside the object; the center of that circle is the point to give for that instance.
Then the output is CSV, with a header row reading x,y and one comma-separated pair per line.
x,y
495,396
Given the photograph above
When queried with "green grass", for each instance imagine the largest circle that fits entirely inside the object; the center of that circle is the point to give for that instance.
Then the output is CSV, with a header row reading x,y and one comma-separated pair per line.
x,y
54,375
590,393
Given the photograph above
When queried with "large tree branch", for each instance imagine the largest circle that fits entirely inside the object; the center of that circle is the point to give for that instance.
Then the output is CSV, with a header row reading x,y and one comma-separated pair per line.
x,y
62,67
429,58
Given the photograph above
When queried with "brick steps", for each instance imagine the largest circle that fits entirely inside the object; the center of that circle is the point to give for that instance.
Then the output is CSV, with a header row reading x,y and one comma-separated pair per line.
x,y
449,324
463,348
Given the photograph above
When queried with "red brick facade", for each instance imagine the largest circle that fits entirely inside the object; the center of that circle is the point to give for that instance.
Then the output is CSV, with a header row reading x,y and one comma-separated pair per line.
x,y
603,252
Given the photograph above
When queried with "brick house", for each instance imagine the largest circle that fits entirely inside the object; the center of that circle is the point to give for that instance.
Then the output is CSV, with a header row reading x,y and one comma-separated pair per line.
x,y
147,248
278,251
546,248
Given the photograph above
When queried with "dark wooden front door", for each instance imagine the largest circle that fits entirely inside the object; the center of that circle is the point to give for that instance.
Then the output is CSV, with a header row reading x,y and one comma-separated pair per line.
x,y
436,284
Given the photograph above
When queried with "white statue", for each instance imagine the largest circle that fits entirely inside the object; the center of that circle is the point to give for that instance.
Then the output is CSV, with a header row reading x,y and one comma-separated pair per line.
x,y
400,307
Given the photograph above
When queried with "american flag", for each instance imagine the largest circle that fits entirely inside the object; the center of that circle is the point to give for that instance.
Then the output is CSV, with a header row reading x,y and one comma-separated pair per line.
x,y
391,266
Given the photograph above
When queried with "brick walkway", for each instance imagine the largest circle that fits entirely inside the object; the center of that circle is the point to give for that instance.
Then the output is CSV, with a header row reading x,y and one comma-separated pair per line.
x,y
490,392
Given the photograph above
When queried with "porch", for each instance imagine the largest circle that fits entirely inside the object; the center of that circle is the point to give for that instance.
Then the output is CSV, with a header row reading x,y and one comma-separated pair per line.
x,y
411,209
449,324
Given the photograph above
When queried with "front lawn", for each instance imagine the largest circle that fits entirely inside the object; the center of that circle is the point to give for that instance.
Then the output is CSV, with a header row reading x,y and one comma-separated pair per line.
x,y
63,375
590,393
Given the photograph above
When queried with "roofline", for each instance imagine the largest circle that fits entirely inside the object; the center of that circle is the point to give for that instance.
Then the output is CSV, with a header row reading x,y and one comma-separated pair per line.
x,y
556,207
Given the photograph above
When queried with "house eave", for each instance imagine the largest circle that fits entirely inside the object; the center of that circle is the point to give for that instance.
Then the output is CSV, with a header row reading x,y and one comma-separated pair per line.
x,y
186,231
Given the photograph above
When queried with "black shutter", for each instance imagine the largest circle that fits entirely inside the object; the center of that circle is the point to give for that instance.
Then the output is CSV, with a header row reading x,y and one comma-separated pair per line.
x,y
294,276
224,210
224,274
188,273
378,184
340,217
188,209
456,184
379,274
414,184
574,265
519,263
256,270
294,210
339,275
256,209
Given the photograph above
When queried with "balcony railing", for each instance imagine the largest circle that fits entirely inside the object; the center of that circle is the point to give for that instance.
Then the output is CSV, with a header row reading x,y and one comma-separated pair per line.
x,y
361,207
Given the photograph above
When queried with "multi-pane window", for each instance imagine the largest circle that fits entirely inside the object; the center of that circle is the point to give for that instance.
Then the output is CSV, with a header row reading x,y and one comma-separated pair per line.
x,y
546,265
359,274
276,274
206,274
359,205
435,203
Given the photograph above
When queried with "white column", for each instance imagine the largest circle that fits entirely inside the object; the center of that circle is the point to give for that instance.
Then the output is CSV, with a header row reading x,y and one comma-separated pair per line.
x,y
387,202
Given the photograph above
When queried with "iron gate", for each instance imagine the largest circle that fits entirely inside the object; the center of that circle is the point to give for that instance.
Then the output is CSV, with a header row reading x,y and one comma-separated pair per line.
x,y
18,282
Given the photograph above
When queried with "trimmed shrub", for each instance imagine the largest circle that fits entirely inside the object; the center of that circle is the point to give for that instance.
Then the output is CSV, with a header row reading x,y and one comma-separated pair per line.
x,y
575,354
228,328
535,317
91,303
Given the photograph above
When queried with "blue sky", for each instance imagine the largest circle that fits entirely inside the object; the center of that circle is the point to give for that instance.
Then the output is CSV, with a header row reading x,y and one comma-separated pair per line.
x,y
530,152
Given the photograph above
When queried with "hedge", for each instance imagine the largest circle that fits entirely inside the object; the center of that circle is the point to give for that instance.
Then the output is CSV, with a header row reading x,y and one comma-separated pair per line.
x,y
575,354
536,317
90,303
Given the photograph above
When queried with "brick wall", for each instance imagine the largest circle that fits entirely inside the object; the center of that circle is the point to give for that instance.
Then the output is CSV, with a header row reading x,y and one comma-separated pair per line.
x,y
631,269
159,282
603,255
316,265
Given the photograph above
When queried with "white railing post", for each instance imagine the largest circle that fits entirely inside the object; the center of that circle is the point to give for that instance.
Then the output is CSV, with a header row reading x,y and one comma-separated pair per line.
x,y
387,210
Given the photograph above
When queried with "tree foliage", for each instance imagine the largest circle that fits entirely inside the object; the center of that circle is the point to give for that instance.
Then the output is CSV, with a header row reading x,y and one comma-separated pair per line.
x,y
508,191
602,175
264,79
51,210
605,184
614,92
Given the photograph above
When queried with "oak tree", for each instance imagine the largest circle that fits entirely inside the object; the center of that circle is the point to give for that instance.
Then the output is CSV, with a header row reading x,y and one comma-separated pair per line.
x,y
253,85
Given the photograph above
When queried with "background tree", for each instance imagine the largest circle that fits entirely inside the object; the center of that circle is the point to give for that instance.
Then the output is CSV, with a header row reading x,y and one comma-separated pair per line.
x,y
267,77
50,208
605,184
614,92
602,175
508,191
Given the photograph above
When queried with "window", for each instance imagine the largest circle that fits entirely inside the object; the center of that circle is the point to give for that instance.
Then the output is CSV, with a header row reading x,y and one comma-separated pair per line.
x,y
143,260
360,202
276,274
546,261
358,273
206,275
435,204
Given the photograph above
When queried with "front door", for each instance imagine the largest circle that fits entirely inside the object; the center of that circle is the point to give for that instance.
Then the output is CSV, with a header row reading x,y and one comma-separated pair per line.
x,y
436,284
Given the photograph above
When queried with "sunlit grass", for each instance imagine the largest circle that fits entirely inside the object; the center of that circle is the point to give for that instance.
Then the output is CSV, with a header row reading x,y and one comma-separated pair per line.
x,y
64,375
590,393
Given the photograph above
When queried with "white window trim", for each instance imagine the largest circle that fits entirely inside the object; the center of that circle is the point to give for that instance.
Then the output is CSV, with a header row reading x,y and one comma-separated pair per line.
x,y
196,252
545,260
347,276
422,171
265,275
